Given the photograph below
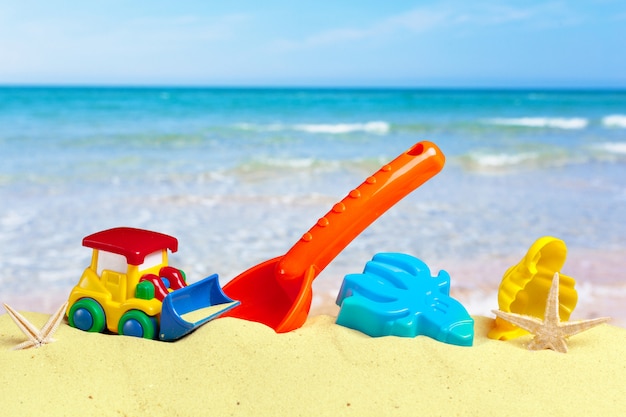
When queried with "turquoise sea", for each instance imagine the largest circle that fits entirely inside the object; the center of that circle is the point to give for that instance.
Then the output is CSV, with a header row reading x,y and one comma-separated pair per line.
x,y
237,175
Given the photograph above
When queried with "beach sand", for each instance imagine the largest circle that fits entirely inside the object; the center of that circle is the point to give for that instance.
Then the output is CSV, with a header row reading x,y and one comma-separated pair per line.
x,y
240,368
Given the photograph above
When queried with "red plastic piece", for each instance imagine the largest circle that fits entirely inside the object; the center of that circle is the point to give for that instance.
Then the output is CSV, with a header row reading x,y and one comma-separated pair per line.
x,y
174,276
133,244
160,292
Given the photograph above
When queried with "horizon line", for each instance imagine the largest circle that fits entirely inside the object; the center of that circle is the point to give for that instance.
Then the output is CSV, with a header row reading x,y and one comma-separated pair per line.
x,y
312,87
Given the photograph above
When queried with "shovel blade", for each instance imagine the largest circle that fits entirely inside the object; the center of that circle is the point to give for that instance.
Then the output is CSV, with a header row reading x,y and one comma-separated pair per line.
x,y
281,305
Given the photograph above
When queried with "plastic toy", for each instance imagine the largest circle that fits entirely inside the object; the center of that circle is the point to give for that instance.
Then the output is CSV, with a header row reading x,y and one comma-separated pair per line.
x,y
130,289
525,287
278,292
396,295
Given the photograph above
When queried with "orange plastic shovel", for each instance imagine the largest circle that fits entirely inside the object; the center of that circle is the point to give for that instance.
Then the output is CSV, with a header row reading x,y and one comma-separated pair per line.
x,y
278,292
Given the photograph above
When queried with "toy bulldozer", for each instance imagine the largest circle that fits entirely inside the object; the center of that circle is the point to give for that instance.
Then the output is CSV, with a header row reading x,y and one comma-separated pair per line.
x,y
130,289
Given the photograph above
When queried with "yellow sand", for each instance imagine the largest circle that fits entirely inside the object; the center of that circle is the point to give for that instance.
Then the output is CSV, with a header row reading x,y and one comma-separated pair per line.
x,y
234,367
203,313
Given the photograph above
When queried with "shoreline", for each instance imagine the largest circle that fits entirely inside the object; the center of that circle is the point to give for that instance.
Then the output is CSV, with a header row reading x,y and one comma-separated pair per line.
x,y
474,284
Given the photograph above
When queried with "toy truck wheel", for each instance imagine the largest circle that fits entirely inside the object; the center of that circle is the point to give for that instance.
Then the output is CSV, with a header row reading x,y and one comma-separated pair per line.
x,y
137,323
87,314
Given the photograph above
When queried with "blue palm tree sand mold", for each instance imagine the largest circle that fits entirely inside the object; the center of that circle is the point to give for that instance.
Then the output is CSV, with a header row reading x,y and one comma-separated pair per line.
x,y
397,296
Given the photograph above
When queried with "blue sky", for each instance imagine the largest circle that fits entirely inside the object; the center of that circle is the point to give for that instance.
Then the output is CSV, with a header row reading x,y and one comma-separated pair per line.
x,y
315,43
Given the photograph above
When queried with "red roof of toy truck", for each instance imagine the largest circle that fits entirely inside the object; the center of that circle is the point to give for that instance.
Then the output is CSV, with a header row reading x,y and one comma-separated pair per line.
x,y
134,244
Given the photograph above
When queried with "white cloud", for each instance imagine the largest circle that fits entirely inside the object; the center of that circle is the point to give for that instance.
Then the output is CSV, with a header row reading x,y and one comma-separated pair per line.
x,y
414,21
446,15
336,35
620,16
207,45
189,27
99,46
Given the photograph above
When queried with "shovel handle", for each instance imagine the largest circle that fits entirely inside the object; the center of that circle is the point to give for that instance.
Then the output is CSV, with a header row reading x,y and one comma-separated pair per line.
x,y
349,217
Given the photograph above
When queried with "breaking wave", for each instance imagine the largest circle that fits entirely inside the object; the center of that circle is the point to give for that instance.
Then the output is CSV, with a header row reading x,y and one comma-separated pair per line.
x,y
613,147
543,122
615,121
380,128
375,127
498,161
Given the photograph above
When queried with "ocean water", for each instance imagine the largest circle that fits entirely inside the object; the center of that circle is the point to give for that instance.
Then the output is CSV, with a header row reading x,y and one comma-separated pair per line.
x,y
237,175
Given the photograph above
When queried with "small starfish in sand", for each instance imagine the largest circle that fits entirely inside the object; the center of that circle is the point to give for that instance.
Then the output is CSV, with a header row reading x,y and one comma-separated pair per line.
x,y
36,337
550,333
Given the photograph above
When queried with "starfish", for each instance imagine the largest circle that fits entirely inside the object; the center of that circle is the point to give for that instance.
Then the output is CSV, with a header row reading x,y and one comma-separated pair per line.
x,y
550,333
36,338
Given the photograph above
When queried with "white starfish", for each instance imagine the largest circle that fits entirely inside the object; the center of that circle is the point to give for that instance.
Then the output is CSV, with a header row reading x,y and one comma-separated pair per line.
x,y
36,338
550,333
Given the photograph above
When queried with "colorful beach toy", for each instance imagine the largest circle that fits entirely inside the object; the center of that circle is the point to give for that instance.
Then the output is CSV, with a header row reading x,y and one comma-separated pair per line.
x,y
278,292
396,295
525,287
130,289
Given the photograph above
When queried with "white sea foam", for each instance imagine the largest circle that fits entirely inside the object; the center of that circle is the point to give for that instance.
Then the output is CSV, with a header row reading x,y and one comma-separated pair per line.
x,y
500,160
615,120
272,127
14,220
288,162
613,147
551,122
377,127
270,168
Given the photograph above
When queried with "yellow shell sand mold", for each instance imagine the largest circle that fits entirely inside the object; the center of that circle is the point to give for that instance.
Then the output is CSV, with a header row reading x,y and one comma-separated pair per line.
x,y
525,286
